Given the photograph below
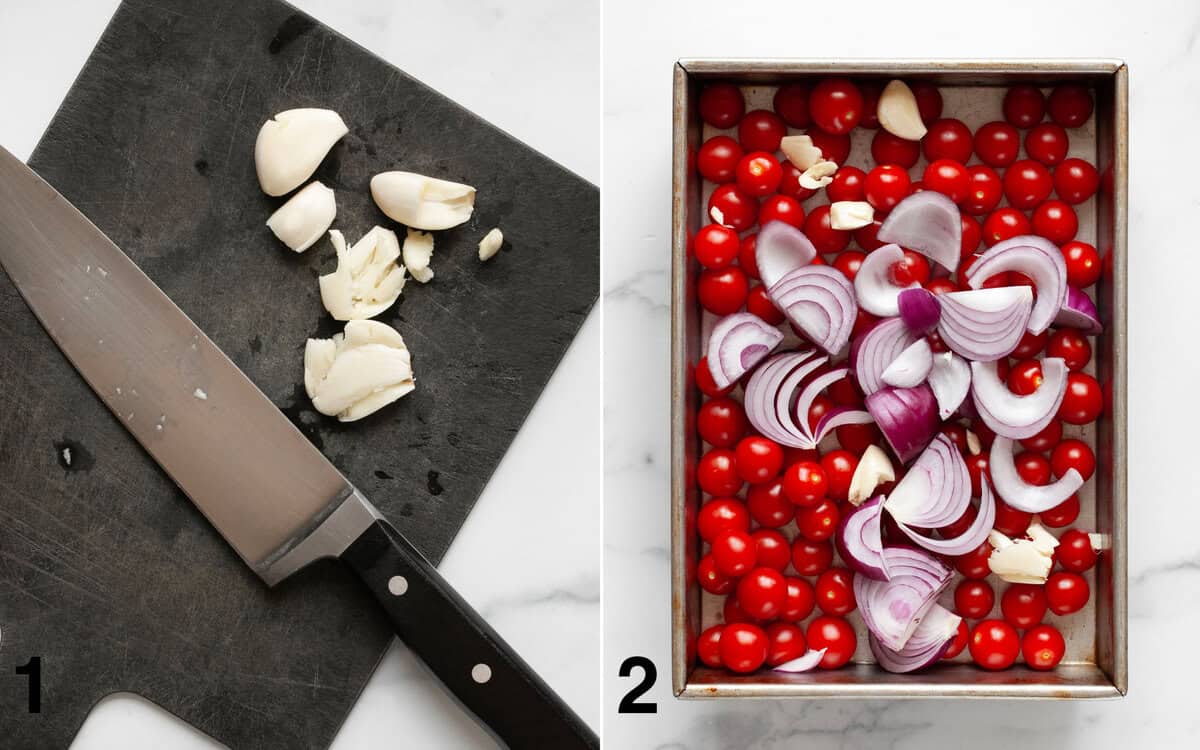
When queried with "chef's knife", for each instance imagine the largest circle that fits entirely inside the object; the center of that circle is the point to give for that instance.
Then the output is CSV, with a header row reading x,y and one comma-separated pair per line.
x,y
277,501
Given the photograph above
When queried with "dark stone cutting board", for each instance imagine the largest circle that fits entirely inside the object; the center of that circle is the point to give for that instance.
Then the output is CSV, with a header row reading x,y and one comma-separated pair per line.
x,y
106,571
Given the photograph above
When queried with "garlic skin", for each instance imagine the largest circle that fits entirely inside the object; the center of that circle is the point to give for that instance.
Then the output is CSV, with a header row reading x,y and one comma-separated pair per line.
x,y
898,112
800,151
367,280
850,214
490,244
357,372
874,469
306,216
422,202
418,251
818,175
291,146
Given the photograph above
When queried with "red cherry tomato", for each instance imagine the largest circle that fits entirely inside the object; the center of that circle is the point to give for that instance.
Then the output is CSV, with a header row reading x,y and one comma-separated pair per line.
x,y
1070,105
1004,223
847,184
732,611
947,139
960,641
743,647
1047,143
819,408
718,158
1083,264
820,232
1066,592
721,514
885,186
848,262
941,286
746,255
790,184
1063,514
960,525
1043,647
758,303
972,234
791,104
994,644
835,105
1045,439
1024,377
761,130
767,505
867,236
857,437
1027,183
835,592
1074,551
758,173
734,553
786,642
843,393
1083,401
870,93
892,149
722,105
929,100
982,431
716,474
997,144
705,382
818,522
811,558
1073,454
835,636
722,290
984,191
1033,467
761,593
949,178
1009,520
712,580
1056,221
1075,180
715,246
835,148
957,434
911,268
736,209
759,459
799,602
804,483
708,647
973,599
721,422
1023,605
772,548
1024,106
839,466
1071,346
781,208
974,564
1030,345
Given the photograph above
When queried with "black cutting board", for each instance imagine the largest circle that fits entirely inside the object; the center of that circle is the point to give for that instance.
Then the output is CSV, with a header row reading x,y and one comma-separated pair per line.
x,y
106,571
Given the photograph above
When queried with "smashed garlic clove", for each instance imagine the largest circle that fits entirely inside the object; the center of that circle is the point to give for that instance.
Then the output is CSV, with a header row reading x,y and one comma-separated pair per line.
x,y
800,151
850,214
1043,540
1022,560
305,217
898,112
998,540
418,251
973,445
357,372
874,469
291,146
490,244
367,280
422,202
818,175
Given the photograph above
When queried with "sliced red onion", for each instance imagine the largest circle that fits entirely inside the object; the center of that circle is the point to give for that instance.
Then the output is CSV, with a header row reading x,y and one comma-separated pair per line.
x,y
835,417
739,342
1079,312
985,324
969,539
872,352
873,283
805,663
928,644
1020,494
1036,257
929,223
780,248
819,300
935,491
859,539
1013,416
785,385
907,417
893,609
950,380
919,309
910,368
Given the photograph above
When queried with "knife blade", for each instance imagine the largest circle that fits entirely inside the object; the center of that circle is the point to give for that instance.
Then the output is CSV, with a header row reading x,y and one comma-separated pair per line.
x,y
268,491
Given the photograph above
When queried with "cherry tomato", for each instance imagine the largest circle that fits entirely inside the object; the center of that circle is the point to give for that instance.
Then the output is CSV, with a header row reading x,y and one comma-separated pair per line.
x,y
886,185
835,592
1023,605
715,246
810,558
960,641
804,483
743,647
847,184
705,382
732,612
722,105
1074,551
746,255
949,178
767,505
1083,401
758,173
856,438
1024,106
1004,223
799,602
957,434
1027,183
839,466
1070,105
718,158
820,232
843,393
818,522
819,408
997,144
790,184
1044,439
835,105
1071,346
712,580
1083,264
1043,647
941,286
871,91
716,474
984,191
772,548
722,514
929,100
708,647
892,149
835,148
848,262
835,636
867,236
973,599
982,431
1030,345
734,553
912,267
1009,520
761,593
1056,221
759,459
736,209
1063,514
1024,377
1047,143
1073,454
974,564
947,139
1066,592
721,422
1075,180
761,130
960,525
972,233
760,304
791,104
722,290
781,208
994,644
786,642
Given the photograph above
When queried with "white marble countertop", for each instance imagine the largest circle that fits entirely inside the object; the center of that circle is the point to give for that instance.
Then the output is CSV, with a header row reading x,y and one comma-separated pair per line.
x,y
1159,40
546,600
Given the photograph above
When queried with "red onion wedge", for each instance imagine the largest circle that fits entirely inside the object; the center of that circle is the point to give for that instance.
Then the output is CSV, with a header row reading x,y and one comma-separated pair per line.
x,y
780,248
1079,312
935,491
985,324
1036,257
739,342
919,308
859,539
787,384
819,300
929,642
1020,494
873,283
929,223
805,663
911,367
969,539
872,352
950,380
893,609
1013,416
907,417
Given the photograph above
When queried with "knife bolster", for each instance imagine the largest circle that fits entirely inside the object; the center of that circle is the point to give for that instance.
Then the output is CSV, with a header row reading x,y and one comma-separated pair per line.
x,y
329,537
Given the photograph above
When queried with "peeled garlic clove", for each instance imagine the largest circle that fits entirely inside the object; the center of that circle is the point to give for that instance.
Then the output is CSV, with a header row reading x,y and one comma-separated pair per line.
x,y
1020,562
357,372
800,151
490,244
1043,540
973,445
291,146
818,175
367,280
304,218
422,202
850,214
898,112
418,251
874,469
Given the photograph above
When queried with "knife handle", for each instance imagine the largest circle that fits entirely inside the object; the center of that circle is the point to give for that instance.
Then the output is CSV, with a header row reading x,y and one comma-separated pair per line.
x,y
473,661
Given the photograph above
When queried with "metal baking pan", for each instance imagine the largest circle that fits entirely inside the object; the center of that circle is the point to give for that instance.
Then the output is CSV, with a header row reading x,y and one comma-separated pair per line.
x,y
1096,664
